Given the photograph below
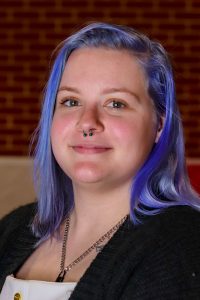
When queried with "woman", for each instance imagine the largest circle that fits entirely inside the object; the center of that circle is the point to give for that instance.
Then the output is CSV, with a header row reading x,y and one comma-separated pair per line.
x,y
116,216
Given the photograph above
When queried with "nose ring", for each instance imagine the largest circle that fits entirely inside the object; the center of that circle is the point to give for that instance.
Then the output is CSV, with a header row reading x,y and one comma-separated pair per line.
x,y
90,133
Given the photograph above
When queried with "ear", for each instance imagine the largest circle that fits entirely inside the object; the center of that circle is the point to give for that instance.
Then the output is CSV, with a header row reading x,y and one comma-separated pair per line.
x,y
161,123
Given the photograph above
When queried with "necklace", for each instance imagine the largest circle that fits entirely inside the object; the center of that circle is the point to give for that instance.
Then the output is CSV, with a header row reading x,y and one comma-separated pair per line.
x,y
64,270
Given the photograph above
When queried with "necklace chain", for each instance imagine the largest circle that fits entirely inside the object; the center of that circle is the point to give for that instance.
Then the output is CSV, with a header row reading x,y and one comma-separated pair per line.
x,y
64,270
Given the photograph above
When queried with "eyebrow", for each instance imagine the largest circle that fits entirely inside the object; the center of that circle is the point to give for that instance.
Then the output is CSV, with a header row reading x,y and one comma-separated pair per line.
x,y
106,91
69,89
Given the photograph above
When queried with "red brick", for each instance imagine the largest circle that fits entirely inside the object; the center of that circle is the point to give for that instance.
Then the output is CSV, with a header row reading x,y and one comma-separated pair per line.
x,y
2,143
193,153
161,37
174,26
172,4
191,123
194,113
11,68
46,47
34,110
22,100
3,15
56,36
160,15
3,79
187,15
196,70
187,59
185,37
46,25
195,26
12,110
123,14
21,142
2,119
26,14
29,57
32,123
107,4
3,37
196,4
143,26
38,68
91,15
58,14
14,46
13,152
11,88
42,3
10,131
68,27
26,36
139,4
75,3
11,3
16,25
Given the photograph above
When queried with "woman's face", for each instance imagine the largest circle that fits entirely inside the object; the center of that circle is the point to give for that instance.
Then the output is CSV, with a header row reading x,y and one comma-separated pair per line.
x,y
104,90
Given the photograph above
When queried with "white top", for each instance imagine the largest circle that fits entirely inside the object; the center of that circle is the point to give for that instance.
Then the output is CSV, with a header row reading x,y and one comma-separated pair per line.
x,y
18,289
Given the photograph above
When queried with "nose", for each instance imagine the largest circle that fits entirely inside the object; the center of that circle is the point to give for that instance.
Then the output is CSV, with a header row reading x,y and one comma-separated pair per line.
x,y
90,119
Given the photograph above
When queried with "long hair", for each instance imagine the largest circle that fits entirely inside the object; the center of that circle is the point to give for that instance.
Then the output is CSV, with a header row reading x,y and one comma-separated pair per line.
x,y
162,181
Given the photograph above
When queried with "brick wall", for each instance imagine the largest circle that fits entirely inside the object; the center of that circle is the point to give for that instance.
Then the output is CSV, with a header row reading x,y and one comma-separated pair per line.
x,y
30,29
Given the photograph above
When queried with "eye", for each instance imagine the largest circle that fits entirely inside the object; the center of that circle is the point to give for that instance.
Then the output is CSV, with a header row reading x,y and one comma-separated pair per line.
x,y
70,102
116,104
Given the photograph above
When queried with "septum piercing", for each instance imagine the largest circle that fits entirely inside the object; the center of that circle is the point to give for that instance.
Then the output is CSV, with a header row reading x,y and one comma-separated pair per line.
x,y
90,133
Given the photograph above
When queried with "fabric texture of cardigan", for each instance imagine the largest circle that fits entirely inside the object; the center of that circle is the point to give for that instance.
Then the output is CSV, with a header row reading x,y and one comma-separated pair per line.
x,y
159,259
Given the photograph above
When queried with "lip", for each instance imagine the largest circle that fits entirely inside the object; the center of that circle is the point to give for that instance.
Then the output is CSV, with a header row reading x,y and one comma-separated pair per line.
x,y
90,149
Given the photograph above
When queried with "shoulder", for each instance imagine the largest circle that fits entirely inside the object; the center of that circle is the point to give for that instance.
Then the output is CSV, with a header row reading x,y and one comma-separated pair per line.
x,y
172,239
179,220
174,252
16,239
19,214
18,218
168,259
177,227
173,226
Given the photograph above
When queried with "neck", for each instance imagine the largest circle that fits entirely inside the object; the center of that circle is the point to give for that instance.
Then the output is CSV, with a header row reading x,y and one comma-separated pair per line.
x,y
105,207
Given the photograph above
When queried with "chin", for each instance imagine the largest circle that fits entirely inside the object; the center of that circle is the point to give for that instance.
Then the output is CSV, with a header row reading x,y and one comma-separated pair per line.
x,y
86,173
87,176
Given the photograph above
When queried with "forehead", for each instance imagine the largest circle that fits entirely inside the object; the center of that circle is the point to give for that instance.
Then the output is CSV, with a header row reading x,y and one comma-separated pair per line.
x,y
105,65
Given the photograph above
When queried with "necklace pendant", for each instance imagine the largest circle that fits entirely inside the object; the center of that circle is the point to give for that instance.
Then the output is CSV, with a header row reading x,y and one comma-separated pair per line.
x,y
61,276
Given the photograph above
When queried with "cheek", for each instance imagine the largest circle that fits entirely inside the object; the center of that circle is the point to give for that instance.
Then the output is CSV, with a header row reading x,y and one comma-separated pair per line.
x,y
138,133
123,130
56,128
56,132
60,127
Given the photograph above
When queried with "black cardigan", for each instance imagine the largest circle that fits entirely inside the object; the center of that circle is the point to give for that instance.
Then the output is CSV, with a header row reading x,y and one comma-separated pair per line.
x,y
157,260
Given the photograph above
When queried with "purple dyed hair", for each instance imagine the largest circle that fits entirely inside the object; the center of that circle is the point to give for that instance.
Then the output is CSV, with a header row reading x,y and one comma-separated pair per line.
x,y
162,181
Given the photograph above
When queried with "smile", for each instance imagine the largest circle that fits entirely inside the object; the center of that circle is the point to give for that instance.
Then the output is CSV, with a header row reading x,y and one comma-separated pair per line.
x,y
90,149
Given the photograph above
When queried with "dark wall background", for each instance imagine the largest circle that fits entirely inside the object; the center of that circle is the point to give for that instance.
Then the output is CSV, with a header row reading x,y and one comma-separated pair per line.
x,y
30,30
